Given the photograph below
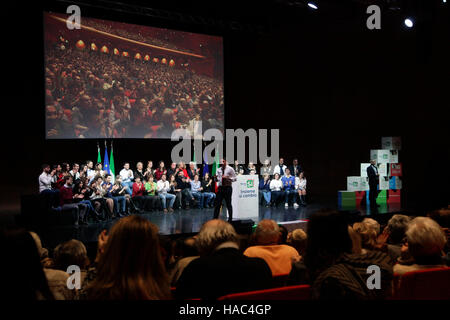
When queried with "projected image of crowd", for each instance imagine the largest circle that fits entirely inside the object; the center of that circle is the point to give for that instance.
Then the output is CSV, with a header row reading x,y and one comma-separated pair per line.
x,y
90,94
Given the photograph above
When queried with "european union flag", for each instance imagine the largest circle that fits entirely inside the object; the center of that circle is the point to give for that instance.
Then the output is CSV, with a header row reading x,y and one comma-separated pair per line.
x,y
106,161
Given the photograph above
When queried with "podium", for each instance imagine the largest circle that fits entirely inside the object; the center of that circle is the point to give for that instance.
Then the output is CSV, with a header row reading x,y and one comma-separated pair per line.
x,y
245,197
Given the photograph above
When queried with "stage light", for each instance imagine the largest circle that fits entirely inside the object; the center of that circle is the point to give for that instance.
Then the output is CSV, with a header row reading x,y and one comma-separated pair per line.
x,y
409,22
312,5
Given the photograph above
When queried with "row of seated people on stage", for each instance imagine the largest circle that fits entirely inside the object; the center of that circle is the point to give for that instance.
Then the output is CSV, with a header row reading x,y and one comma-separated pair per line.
x,y
90,191
330,255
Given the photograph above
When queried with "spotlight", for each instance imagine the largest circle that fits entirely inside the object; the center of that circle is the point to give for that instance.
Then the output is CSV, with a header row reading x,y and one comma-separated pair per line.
x,y
312,5
409,22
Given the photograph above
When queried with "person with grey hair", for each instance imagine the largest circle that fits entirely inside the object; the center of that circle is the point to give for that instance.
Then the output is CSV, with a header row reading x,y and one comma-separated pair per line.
x,y
395,232
279,257
425,241
221,268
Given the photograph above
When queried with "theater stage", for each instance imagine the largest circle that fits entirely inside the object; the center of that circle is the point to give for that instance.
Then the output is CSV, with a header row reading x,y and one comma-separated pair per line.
x,y
187,222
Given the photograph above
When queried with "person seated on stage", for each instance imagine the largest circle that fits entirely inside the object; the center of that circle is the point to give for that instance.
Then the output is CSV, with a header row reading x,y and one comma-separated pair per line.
x,y
297,239
45,186
425,242
279,257
266,169
251,167
75,171
173,170
295,168
149,171
139,171
221,268
196,190
264,189
276,189
280,168
83,171
90,172
208,191
163,188
100,202
142,277
150,192
192,170
289,188
182,167
175,191
127,177
120,202
138,196
185,187
121,190
160,171
330,267
81,195
67,202
300,186
238,168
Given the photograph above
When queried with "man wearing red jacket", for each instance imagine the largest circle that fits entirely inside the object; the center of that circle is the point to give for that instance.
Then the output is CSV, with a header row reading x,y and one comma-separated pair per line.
x,y
66,201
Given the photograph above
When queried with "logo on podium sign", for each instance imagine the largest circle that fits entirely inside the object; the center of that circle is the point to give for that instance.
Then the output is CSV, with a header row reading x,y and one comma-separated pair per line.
x,y
250,183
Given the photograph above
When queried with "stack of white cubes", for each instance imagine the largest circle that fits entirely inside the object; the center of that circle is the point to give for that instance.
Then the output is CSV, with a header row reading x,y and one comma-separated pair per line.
x,y
389,169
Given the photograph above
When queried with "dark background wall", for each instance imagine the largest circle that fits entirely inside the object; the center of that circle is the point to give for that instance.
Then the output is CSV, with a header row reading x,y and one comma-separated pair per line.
x,y
331,86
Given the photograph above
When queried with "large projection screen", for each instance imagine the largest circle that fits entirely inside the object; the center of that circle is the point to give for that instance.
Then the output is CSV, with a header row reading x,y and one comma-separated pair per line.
x,y
118,80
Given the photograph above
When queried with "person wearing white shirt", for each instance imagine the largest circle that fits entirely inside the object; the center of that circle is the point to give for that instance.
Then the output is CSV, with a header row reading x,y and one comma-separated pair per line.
x,y
90,171
225,175
276,189
127,178
45,186
280,168
75,171
163,188
300,186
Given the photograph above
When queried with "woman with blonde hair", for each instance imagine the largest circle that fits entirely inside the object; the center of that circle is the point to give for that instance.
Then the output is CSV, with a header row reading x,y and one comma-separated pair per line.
x,y
129,263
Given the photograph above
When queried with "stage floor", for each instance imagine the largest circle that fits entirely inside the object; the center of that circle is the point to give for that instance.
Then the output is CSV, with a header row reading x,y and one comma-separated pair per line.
x,y
185,222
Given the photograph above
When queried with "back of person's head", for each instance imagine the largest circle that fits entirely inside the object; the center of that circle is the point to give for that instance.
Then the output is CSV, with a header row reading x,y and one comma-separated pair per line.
x,y
72,252
23,276
368,235
372,223
283,234
187,247
328,239
43,253
297,239
396,227
214,233
425,240
267,232
131,266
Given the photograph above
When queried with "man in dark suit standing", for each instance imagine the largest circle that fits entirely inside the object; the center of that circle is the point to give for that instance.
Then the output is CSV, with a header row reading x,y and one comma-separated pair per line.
x,y
221,268
295,168
372,173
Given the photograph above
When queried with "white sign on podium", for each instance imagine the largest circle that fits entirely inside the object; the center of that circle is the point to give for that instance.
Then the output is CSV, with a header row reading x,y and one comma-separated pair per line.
x,y
245,197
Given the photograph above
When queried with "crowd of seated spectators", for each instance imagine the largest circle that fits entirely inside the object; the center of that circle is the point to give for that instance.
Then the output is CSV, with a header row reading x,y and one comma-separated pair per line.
x,y
90,94
133,262
91,194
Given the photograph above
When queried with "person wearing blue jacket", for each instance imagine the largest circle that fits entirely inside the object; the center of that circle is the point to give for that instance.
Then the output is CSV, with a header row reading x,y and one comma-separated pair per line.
x,y
288,182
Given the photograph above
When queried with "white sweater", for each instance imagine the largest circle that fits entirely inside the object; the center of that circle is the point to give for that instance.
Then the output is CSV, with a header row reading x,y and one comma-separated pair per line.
x,y
276,185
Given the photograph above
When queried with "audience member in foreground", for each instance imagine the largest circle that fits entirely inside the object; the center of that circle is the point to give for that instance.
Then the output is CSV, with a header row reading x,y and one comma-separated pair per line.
x,y
331,268
23,276
279,257
221,268
424,241
129,264
395,230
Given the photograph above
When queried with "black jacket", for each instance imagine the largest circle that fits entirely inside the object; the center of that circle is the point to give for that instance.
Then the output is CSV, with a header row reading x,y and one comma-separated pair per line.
x,y
223,272
372,174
